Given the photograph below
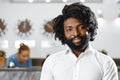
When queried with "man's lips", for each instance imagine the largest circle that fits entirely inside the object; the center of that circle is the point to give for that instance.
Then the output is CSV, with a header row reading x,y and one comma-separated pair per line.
x,y
76,40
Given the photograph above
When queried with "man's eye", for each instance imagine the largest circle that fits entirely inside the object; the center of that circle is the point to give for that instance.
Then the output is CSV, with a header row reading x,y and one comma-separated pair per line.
x,y
81,27
68,29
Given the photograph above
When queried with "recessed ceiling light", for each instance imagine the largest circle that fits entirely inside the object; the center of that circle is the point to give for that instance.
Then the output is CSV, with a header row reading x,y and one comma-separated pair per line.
x,y
64,0
30,1
99,13
47,1
82,0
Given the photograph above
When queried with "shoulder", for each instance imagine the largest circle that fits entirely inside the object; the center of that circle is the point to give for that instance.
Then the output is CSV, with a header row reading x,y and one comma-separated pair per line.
x,y
103,59
12,57
55,56
107,64
100,57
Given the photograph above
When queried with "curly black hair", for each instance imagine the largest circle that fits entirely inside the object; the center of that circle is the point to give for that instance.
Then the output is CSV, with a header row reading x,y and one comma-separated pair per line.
x,y
81,13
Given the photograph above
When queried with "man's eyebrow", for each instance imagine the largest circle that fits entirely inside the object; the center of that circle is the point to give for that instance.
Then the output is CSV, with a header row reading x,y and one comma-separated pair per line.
x,y
69,26
80,24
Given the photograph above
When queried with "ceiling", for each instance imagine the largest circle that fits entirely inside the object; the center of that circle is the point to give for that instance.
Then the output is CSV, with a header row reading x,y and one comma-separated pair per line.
x,y
52,1
56,1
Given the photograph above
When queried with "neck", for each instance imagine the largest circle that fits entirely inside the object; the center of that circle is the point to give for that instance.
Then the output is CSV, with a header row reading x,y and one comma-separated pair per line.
x,y
78,52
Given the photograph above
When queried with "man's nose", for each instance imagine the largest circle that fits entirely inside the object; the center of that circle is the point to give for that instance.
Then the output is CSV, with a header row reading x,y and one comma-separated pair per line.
x,y
76,32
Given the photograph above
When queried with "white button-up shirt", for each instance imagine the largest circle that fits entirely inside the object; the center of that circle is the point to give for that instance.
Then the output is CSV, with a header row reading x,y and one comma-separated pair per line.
x,y
90,65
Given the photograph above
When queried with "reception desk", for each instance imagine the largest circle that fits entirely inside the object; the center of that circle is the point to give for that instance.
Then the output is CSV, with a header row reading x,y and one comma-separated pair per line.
x,y
32,73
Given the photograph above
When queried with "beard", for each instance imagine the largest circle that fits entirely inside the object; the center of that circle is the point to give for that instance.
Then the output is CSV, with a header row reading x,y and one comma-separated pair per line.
x,y
84,41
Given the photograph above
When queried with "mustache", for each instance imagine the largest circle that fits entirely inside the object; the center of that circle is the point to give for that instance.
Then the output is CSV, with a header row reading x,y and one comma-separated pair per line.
x,y
78,36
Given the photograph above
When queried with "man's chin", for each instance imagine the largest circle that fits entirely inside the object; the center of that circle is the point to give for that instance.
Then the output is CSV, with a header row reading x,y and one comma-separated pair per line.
x,y
77,44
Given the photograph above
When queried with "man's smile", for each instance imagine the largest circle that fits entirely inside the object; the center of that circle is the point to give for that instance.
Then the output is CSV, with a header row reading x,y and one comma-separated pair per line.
x,y
76,40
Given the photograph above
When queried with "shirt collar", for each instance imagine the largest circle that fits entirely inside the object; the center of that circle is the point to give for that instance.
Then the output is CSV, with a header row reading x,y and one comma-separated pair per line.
x,y
89,49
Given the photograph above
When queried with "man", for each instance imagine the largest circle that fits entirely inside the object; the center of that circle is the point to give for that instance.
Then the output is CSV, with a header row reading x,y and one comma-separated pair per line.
x,y
76,26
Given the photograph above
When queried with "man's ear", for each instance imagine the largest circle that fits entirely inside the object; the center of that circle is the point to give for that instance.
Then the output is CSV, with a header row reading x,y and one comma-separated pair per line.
x,y
92,36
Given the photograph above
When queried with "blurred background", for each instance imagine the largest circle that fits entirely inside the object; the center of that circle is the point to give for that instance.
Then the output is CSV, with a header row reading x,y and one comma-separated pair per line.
x,y
29,21
39,12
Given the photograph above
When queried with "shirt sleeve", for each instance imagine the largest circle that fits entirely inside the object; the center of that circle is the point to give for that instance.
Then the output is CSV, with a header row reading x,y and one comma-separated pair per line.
x,y
110,71
7,62
46,73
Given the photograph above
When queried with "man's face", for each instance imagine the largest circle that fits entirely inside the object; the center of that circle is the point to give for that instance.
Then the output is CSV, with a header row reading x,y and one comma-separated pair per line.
x,y
76,34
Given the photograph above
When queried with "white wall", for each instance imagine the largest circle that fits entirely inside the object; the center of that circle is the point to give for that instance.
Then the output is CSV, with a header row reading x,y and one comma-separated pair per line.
x,y
108,35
